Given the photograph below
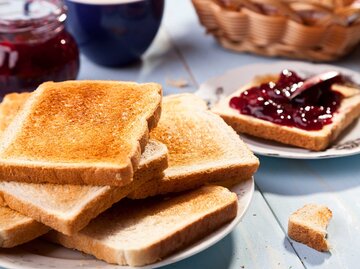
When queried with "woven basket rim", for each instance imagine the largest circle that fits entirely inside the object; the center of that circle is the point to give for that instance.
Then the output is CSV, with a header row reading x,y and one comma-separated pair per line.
x,y
338,15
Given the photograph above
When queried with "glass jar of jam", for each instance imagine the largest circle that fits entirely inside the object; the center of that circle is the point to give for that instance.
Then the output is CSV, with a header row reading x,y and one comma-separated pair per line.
x,y
34,45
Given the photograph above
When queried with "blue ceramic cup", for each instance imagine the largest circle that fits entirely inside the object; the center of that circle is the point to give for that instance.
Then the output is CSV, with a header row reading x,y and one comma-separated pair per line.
x,y
114,32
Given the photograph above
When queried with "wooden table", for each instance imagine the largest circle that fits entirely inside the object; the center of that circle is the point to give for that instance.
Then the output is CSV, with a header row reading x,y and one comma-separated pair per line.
x,y
183,51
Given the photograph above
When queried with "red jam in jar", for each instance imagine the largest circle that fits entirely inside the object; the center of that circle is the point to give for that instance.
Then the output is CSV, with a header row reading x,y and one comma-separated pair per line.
x,y
310,110
34,45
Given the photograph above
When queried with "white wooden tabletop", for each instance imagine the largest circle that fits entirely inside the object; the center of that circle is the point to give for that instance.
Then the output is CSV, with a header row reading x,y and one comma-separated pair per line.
x,y
183,51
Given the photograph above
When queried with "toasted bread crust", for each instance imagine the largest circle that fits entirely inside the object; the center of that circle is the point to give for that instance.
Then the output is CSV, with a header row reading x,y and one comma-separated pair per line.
x,y
307,236
103,200
14,168
18,229
312,140
276,133
10,106
186,181
195,138
307,225
224,209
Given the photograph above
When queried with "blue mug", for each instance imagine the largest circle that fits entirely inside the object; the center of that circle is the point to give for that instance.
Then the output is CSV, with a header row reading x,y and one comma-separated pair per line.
x,y
114,32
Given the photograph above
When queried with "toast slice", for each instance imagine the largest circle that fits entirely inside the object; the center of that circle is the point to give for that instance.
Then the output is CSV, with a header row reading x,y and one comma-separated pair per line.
x,y
9,107
202,148
16,229
141,232
319,140
80,132
308,225
68,215
68,208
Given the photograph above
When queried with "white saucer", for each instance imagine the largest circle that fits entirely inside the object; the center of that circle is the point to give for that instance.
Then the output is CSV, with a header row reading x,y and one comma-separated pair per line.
x,y
221,86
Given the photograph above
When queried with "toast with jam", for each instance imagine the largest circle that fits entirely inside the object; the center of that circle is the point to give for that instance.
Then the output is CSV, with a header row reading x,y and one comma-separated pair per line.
x,y
269,107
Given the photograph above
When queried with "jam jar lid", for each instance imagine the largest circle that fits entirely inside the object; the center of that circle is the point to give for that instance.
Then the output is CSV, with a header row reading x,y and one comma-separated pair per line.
x,y
33,16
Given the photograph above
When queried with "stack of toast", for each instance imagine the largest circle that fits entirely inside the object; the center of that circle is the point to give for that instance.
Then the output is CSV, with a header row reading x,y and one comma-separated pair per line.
x,y
115,170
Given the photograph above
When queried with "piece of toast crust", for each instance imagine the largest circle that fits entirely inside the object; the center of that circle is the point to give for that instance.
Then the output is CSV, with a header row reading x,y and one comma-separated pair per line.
x,y
16,229
348,111
68,208
80,132
142,232
308,225
202,148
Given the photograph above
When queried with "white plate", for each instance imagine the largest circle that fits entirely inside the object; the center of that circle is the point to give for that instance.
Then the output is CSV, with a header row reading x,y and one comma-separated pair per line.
x,y
41,254
219,87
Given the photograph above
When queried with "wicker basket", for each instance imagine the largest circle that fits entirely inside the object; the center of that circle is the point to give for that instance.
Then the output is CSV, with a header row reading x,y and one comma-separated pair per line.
x,y
315,30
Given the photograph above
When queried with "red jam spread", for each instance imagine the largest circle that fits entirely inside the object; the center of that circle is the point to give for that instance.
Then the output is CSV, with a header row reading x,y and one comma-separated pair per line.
x,y
310,110
34,45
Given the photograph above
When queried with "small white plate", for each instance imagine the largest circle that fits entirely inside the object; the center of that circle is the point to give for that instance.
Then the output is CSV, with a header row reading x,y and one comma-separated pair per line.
x,y
40,254
219,87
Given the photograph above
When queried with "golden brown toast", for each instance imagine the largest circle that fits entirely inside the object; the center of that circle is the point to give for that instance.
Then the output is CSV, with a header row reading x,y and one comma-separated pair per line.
x,y
80,132
142,232
202,148
308,224
68,208
9,106
348,111
16,229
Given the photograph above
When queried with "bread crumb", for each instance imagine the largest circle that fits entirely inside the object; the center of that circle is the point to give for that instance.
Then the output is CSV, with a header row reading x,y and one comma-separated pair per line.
x,y
308,225
178,83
